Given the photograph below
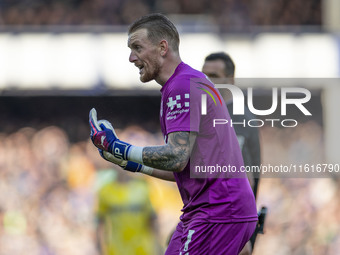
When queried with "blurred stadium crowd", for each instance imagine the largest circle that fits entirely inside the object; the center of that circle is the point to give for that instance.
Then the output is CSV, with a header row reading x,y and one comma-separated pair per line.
x,y
48,193
228,14
46,205
49,174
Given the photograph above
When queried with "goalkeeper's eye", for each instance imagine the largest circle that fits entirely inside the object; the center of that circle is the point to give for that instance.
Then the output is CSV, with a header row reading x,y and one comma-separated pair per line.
x,y
137,48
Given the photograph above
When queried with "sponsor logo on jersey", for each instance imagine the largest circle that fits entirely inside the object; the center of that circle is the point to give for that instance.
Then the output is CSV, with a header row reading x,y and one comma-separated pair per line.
x,y
178,104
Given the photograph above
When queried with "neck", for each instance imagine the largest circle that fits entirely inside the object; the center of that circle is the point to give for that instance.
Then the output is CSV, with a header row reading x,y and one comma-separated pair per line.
x,y
168,68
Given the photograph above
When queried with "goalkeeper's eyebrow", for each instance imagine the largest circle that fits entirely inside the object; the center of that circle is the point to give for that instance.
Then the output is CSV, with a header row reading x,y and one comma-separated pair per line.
x,y
133,45
132,42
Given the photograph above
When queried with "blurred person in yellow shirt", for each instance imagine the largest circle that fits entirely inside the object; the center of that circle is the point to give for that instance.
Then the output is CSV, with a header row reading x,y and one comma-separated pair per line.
x,y
126,220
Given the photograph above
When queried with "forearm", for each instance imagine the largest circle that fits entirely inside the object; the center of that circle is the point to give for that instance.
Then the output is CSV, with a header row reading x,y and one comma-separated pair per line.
x,y
165,158
172,156
138,167
159,174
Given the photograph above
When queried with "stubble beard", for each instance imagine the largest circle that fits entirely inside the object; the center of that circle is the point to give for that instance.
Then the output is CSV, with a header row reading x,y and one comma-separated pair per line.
x,y
149,76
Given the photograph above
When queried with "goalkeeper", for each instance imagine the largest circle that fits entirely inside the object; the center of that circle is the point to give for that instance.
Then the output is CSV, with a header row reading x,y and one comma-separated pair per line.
x,y
219,214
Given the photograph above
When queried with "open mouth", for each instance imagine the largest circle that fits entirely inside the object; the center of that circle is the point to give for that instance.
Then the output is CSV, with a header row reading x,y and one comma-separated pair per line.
x,y
141,68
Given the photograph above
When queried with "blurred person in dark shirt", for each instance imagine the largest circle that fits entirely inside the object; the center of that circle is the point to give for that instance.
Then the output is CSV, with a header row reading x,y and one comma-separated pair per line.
x,y
220,68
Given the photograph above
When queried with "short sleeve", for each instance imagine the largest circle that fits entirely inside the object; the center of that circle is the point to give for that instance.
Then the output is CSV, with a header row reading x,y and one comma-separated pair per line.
x,y
177,106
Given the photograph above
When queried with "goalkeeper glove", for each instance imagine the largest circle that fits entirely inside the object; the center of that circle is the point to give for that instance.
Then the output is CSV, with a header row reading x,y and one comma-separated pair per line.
x,y
126,165
105,138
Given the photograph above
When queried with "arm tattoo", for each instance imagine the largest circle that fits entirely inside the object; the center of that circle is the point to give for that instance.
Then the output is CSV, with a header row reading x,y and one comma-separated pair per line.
x,y
173,156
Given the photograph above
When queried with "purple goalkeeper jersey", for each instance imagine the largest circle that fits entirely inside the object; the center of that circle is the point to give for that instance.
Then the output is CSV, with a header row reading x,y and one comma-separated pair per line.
x,y
216,197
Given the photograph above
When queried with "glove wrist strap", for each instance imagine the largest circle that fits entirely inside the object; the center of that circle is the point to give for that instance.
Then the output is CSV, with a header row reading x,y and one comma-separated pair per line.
x,y
120,149
133,167
127,151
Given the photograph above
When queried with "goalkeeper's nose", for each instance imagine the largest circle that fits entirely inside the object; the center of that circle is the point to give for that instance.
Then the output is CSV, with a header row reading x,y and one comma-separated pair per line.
x,y
132,58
